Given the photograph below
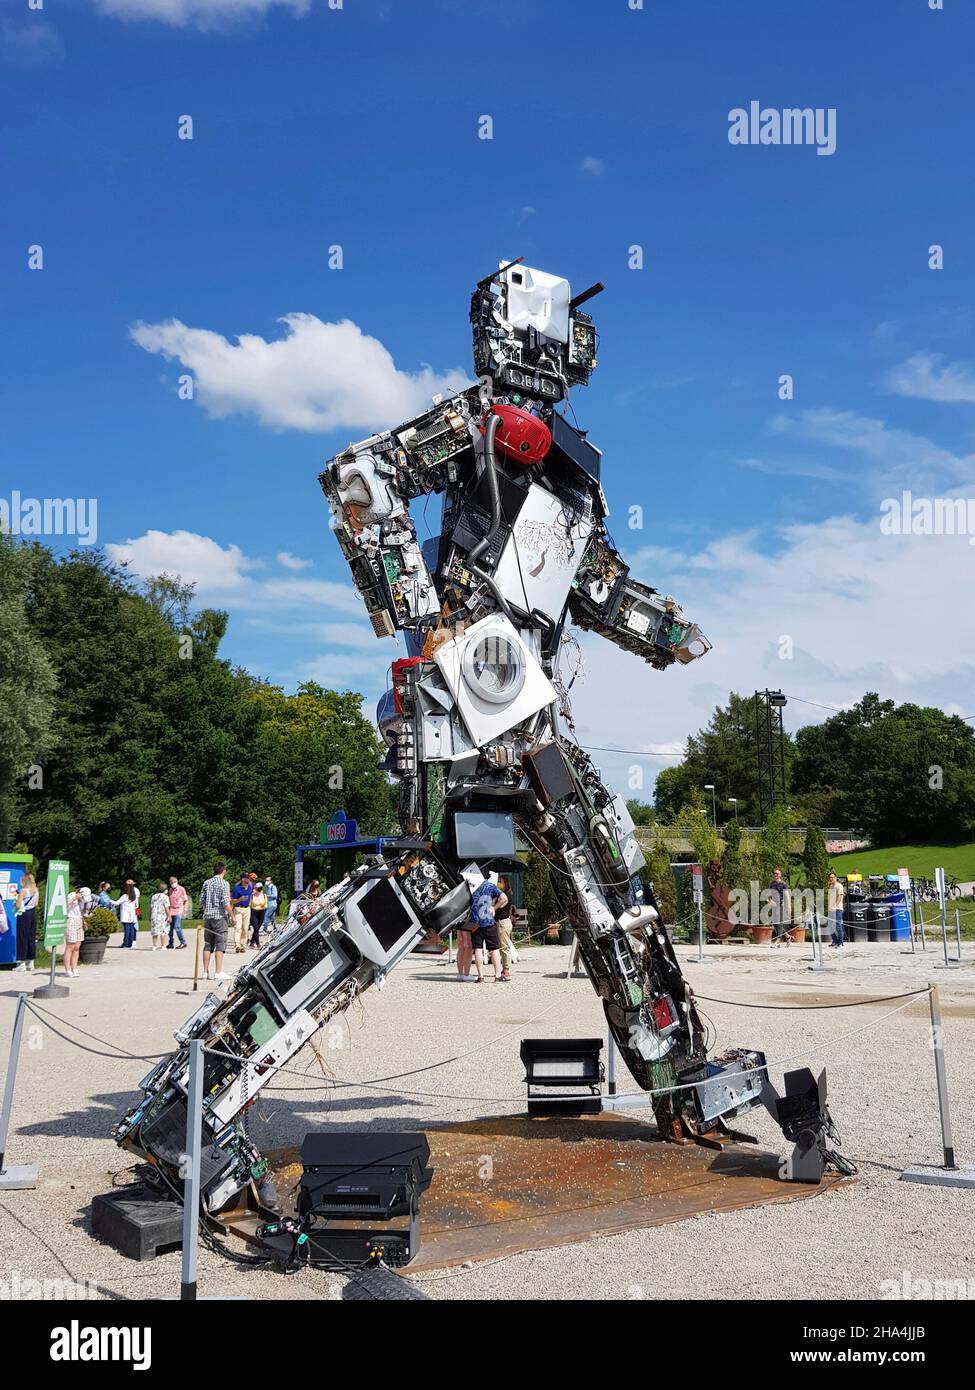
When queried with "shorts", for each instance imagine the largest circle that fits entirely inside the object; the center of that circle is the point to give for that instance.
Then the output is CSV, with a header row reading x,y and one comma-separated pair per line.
x,y
486,938
215,934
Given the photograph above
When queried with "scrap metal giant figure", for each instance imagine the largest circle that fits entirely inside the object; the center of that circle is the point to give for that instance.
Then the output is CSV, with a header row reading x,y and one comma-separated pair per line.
x,y
474,739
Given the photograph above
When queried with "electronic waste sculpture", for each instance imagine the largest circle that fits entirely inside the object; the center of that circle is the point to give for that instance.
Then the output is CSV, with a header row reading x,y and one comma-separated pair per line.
x,y
473,725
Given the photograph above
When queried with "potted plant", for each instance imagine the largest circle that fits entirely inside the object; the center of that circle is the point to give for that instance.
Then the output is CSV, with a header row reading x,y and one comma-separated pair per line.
x,y
98,928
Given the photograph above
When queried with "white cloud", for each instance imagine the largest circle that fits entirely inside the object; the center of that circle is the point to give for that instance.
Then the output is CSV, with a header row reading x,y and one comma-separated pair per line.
x,y
922,376
291,562
863,611
888,456
204,14
198,560
319,376
592,165
225,574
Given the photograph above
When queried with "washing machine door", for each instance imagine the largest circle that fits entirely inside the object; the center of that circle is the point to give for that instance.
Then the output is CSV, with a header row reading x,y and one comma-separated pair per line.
x,y
495,666
494,676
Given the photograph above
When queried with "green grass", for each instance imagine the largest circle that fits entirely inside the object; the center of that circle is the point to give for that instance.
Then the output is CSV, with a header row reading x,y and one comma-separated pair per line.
x,y
919,860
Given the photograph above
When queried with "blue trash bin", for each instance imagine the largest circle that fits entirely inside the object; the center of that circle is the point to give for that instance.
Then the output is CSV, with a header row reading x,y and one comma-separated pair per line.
x,y
900,925
12,867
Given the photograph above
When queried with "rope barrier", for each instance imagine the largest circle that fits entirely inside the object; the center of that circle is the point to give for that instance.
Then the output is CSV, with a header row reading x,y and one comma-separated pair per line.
x,y
801,1008
378,1082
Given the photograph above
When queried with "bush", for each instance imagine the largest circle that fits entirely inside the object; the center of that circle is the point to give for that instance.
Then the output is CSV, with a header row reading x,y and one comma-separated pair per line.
x,y
102,922
657,871
539,898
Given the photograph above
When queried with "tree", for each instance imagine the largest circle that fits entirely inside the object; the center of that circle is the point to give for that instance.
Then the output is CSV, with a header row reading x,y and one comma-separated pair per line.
x,y
27,688
657,872
671,793
641,813
166,757
539,897
815,860
898,772
772,848
724,754
732,859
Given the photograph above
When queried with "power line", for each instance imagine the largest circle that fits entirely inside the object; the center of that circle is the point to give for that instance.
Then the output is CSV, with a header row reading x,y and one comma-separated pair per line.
x,y
635,752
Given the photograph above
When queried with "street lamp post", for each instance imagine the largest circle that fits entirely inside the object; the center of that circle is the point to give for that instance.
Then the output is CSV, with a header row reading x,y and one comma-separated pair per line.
x,y
709,787
733,801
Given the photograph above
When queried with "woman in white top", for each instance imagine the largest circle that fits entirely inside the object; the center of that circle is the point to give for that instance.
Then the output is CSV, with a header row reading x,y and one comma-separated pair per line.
x,y
74,932
128,914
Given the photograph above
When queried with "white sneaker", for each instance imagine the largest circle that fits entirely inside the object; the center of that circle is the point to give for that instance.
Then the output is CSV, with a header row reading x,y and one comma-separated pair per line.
x,y
221,975
20,969
29,967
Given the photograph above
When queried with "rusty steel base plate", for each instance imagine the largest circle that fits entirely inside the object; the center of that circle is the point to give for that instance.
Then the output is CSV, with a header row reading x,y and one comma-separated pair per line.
x,y
503,1186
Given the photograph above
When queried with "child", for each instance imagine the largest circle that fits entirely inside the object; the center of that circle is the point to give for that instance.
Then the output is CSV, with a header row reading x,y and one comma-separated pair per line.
x,y
159,914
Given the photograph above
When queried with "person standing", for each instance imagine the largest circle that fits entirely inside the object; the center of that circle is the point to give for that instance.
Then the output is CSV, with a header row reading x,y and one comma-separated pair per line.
x,y
104,899
835,893
74,932
270,917
159,916
241,899
780,903
487,898
502,920
465,950
179,907
258,909
215,911
25,915
128,914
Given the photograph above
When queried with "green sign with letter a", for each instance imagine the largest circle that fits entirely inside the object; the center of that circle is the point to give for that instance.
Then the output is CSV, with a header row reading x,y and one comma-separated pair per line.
x,y
56,902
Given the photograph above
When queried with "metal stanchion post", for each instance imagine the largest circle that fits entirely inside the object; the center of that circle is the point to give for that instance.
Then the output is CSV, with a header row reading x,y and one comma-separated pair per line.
x,y
611,1062
52,990
920,918
937,1043
912,918
700,933
20,1175
958,934
948,963
196,957
948,1174
818,946
191,1186
450,948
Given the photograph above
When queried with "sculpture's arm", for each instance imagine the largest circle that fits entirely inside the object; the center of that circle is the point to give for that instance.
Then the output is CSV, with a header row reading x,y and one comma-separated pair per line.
x,y
606,600
369,486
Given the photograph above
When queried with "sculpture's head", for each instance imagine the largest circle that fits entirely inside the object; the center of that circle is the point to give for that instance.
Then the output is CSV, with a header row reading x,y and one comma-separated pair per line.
x,y
531,336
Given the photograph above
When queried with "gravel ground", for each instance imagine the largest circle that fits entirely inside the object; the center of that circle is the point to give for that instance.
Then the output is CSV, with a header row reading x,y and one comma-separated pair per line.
x,y
843,1244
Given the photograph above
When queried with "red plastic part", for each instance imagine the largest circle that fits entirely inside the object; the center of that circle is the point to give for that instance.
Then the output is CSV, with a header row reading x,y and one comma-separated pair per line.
x,y
521,436
399,665
661,1013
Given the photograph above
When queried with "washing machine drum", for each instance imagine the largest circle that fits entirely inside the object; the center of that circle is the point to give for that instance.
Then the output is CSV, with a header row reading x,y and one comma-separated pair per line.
x,y
494,677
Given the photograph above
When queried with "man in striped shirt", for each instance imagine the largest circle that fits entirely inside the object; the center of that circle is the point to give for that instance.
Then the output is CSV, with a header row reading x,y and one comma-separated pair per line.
x,y
215,911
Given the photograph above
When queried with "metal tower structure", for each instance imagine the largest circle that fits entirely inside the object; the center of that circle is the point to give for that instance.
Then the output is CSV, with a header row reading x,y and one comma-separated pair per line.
x,y
770,747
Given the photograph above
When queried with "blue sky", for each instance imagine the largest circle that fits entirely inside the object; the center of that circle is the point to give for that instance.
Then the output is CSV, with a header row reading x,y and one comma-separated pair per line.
x,y
358,127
